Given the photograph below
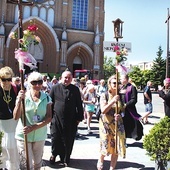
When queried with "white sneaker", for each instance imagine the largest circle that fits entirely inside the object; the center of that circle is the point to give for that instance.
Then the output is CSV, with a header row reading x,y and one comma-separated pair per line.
x,y
89,131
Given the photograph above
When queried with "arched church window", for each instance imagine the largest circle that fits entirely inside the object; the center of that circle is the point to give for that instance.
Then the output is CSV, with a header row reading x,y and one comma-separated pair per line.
x,y
16,14
41,8
80,14
35,11
50,17
27,12
43,13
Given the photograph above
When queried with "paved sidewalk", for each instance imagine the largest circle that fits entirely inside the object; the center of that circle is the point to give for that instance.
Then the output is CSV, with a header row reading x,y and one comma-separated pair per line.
x,y
86,149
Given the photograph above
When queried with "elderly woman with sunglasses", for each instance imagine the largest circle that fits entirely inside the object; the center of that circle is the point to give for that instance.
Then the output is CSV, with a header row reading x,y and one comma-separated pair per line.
x,y
38,114
107,126
8,93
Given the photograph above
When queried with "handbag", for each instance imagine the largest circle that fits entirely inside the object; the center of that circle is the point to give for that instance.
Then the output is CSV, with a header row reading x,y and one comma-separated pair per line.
x,y
98,111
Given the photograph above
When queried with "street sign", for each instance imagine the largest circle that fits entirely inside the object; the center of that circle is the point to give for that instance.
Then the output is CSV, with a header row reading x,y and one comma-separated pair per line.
x,y
108,46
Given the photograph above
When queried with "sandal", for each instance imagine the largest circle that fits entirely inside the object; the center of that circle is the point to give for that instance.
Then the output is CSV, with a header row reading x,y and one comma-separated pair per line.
x,y
147,122
52,160
142,121
99,165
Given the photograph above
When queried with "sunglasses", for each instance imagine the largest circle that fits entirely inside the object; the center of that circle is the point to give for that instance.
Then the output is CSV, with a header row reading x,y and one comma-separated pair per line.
x,y
6,79
39,82
115,83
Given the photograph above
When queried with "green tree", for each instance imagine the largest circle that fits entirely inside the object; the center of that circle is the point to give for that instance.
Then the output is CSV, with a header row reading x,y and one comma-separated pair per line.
x,y
108,67
136,76
158,69
146,76
140,77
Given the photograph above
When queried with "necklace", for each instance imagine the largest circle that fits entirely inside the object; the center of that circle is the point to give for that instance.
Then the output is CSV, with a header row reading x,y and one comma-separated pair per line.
x,y
7,99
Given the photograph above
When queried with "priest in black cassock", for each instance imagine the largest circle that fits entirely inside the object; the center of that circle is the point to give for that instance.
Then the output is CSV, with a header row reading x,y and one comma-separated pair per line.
x,y
67,113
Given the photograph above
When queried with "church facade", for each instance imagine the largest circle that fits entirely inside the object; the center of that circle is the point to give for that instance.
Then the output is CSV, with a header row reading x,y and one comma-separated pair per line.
x,y
71,33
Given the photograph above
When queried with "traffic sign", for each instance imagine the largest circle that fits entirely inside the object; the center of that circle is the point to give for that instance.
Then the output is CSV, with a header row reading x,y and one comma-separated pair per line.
x,y
108,46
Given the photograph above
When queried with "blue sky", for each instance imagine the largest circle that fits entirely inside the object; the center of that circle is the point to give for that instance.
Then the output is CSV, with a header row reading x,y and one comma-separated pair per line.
x,y
144,26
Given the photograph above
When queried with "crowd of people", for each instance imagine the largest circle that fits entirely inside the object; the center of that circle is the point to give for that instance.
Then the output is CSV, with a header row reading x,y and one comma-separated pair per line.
x,y
64,104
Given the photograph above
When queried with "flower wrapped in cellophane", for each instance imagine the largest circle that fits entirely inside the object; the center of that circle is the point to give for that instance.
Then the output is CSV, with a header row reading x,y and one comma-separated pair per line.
x,y
29,38
121,54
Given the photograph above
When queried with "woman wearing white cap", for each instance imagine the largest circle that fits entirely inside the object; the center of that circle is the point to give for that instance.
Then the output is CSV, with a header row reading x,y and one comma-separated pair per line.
x,y
38,114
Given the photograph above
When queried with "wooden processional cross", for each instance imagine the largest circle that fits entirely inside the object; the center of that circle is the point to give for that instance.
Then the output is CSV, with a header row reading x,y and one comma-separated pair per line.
x,y
20,3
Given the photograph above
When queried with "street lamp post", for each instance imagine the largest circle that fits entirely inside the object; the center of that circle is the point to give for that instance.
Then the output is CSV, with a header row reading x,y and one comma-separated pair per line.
x,y
167,57
118,28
